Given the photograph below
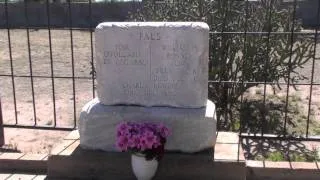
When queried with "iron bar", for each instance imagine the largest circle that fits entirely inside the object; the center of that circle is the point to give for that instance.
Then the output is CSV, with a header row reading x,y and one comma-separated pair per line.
x,y
290,66
210,81
266,65
261,82
244,56
281,138
30,63
222,53
312,70
91,48
264,33
211,32
45,77
72,64
11,64
51,65
39,127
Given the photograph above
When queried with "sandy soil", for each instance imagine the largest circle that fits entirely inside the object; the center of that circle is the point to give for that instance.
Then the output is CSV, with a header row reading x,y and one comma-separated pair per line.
x,y
37,140
40,141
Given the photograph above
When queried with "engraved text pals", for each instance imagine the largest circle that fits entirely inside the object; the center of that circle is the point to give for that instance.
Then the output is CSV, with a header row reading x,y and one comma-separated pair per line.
x,y
147,36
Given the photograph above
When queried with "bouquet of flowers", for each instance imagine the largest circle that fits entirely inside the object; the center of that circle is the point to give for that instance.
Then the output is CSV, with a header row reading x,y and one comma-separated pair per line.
x,y
142,138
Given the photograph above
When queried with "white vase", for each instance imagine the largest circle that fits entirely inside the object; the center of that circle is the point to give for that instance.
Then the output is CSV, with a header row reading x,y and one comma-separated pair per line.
x,y
143,169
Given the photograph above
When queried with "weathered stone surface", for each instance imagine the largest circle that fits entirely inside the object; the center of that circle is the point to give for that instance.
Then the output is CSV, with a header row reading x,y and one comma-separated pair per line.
x,y
192,129
152,63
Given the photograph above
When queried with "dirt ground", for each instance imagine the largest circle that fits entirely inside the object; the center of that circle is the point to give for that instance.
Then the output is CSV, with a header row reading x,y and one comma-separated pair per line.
x,y
41,141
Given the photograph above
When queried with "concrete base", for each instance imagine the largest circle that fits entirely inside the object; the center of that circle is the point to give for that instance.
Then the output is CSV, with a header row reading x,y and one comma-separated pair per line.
x,y
192,129
224,162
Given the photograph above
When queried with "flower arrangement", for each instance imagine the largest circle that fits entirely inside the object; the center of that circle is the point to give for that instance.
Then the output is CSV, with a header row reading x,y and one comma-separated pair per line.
x,y
144,138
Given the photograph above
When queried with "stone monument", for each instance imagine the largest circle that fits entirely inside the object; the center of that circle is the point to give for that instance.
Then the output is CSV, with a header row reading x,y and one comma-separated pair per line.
x,y
151,71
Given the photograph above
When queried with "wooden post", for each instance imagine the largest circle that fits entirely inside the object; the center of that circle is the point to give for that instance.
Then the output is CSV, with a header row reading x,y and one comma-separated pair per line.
x,y
1,127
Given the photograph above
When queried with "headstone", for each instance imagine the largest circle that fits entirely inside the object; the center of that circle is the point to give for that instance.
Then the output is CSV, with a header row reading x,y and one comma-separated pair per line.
x,y
193,129
152,64
155,72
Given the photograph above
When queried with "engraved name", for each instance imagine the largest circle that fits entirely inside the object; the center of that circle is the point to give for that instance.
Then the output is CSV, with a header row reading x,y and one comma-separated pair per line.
x,y
122,55
149,36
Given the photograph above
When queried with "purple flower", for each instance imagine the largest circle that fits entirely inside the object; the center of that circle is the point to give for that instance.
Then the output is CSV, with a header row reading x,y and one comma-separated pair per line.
x,y
143,143
148,138
122,143
164,131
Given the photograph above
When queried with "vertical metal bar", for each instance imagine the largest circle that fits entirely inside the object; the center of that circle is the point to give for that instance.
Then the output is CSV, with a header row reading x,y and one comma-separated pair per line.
x,y
266,66
51,65
242,81
290,66
11,64
30,62
1,127
72,63
312,70
221,58
91,45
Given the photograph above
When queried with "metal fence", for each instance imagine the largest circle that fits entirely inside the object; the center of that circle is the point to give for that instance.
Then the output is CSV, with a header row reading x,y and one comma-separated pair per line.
x,y
11,74
53,78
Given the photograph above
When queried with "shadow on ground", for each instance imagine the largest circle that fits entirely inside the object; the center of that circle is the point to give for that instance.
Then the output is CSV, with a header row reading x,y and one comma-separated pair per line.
x,y
277,150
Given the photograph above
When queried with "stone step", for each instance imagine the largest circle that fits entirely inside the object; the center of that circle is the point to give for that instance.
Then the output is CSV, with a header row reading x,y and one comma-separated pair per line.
x,y
68,160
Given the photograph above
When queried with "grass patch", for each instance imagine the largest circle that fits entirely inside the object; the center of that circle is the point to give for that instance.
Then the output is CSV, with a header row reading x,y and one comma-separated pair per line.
x,y
276,156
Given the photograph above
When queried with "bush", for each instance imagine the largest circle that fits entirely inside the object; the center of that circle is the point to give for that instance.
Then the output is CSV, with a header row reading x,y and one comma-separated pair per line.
x,y
240,57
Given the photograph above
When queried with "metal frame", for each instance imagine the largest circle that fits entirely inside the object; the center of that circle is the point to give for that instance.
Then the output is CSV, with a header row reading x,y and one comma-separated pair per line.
x,y
53,77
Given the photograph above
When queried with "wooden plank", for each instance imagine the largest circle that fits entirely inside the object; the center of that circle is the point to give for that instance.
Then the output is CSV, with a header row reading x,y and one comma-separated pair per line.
x,y
69,150
25,163
7,155
61,147
228,152
227,137
74,135
40,177
5,176
30,156
259,173
21,176
34,157
304,165
23,166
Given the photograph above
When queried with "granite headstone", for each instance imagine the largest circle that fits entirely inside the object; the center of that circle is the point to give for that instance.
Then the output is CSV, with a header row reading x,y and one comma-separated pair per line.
x,y
152,64
155,72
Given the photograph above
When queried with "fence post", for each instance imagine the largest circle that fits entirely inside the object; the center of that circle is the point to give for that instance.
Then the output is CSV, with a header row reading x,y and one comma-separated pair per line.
x,y
1,127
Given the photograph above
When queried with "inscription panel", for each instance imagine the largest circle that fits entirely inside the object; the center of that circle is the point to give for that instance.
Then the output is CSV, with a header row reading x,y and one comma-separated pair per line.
x,y
152,64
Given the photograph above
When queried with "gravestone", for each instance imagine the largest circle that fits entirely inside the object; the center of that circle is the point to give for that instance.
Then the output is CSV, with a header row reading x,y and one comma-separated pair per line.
x,y
152,64
151,71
